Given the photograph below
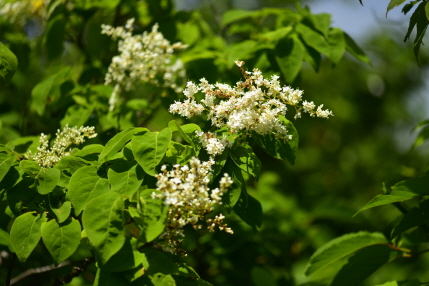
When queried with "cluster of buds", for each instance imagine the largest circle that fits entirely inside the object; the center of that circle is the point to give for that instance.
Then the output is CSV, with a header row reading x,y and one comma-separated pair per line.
x,y
48,158
143,58
254,104
185,190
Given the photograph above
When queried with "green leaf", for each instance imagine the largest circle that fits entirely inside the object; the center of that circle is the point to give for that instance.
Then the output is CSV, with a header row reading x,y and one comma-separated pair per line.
x,y
85,185
362,264
413,282
154,216
244,157
5,239
63,212
416,186
231,197
149,149
77,115
249,210
25,234
393,4
313,39
277,34
341,247
24,144
176,127
8,65
322,22
21,194
337,44
47,179
178,153
103,222
381,200
31,167
289,54
6,160
235,15
280,149
61,240
48,90
54,37
125,259
118,142
160,279
355,50
420,20
125,177
105,4
413,218
261,277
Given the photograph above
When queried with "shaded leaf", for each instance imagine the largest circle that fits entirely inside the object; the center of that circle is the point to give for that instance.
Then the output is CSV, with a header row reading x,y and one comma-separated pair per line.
x,y
231,197
85,185
363,263
341,247
125,259
313,39
244,157
337,44
125,177
8,65
235,15
413,218
355,50
154,216
7,157
118,142
149,149
380,200
47,179
249,210
103,222
393,4
289,54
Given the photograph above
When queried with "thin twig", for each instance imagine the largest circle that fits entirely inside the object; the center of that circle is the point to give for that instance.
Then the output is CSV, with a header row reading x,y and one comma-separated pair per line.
x,y
42,269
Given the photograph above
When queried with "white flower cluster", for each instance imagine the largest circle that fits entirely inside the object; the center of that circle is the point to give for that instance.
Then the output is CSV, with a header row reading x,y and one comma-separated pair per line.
x,y
212,143
143,58
185,190
20,11
47,158
252,105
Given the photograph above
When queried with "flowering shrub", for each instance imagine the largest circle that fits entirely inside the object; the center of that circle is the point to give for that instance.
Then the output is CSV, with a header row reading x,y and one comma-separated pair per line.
x,y
128,194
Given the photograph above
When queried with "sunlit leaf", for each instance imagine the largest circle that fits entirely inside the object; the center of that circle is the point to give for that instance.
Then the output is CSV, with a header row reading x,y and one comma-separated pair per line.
x,y
25,233
8,65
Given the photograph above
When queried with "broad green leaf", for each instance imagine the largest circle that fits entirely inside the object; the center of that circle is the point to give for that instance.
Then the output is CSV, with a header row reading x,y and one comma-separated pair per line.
x,y
240,51
313,39
355,50
422,24
322,22
380,200
237,189
413,282
413,218
125,259
103,221
278,148
125,177
149,149
393,4
85,185
363,263
416,186
176,127
70,164
54,37
25,234
8,65
337,44
5,239
249,210
235,15
47,179
22,145
61,240
118,142
178,153
89,154
77,115
105,4
289,54
13,177
106,278
21,194
160,279
341,247
63,212
154,216
277,34
244,157
31,167
6,160
159,262
48,90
